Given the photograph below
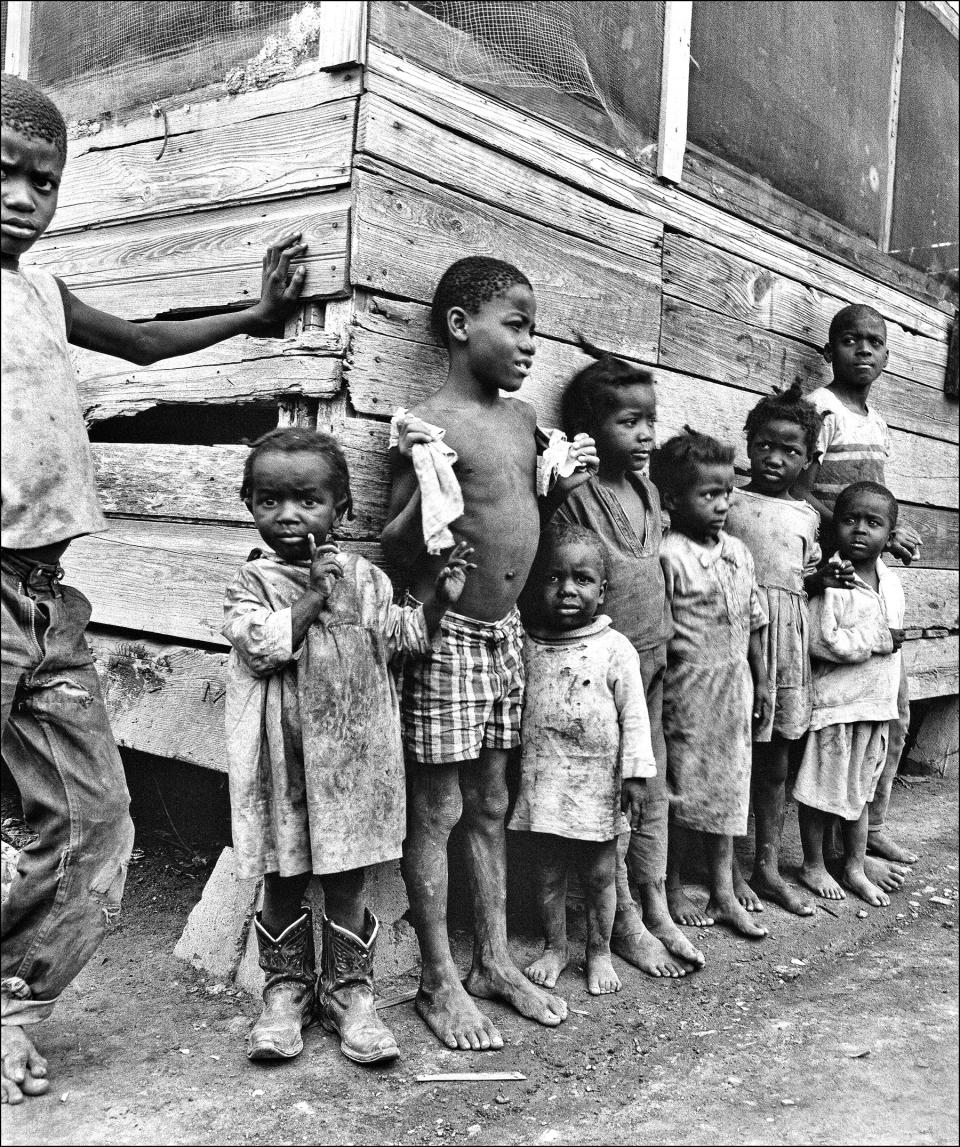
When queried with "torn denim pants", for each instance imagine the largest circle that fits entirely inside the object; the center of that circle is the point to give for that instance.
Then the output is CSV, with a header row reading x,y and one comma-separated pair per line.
x,y
57,743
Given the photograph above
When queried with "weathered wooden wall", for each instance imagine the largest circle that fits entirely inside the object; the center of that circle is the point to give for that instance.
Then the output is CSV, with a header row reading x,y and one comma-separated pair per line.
x,y
394,171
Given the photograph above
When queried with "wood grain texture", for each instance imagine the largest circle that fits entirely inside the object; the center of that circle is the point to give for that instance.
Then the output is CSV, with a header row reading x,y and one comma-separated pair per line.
x,y
208,259
710,277
406,233
932,666
698,341
395,135
238,370
308,149
453,107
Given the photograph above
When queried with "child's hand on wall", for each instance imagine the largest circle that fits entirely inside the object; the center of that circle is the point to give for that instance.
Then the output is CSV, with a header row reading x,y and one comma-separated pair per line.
x,y
905,544
453,577
632,792
281,287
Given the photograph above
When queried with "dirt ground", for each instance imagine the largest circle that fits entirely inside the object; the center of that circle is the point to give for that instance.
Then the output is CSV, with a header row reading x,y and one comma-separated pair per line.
x,y
833,1030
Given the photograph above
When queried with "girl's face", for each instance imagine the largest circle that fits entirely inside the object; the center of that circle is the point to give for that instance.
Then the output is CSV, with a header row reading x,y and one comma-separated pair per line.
x,y
700,511
571,587
293,496
862,529
778,455
627,433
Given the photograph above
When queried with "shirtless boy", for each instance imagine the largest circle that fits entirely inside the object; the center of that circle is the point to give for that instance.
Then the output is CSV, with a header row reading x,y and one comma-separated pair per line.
x,y
461,706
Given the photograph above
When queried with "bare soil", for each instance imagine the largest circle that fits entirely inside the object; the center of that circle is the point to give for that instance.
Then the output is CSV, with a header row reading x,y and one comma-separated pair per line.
x,y
836,1029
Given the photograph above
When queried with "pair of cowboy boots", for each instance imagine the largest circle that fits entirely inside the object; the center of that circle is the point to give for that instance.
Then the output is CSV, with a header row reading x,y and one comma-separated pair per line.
x,y
343,1000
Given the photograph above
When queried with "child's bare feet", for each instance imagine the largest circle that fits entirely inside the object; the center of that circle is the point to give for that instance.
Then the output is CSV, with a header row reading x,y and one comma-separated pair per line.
x,y
885,874
506,982
24,1070
729,911
744,893
684,911
656,916
546,970
817,879
880,844
631,941
856,880
771,886
455,1019
601,978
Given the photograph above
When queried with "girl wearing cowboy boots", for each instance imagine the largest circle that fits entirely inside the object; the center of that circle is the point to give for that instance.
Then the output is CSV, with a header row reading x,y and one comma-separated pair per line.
x,y
313,739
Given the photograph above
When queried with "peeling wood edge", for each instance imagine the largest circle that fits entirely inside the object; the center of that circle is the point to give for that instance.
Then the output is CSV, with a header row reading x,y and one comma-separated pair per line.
x,y
674,89
893,124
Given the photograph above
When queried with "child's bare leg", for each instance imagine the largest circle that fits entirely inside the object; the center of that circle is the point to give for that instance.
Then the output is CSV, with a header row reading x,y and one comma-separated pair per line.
x,y
550,878
723,905
770,763
682,908
855,847
435,807
282,900
813,873
879,841
596,861
24,1070
343,900
741,889
493,974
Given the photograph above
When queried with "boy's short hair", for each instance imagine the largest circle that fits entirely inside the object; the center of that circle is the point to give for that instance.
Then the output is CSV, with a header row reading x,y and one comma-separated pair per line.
x,y
673,467
593,391
290,439
786,406
849,493
25,109
469,283
842,318
570,534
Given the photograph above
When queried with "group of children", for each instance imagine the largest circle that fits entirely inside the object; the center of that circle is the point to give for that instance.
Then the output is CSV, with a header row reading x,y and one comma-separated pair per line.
x,y
653,682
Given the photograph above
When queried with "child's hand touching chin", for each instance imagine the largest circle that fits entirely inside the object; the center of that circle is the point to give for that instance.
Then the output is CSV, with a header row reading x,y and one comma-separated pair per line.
x,y
453,577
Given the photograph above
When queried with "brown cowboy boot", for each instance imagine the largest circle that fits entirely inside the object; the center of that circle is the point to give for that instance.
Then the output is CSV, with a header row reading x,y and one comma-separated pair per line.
x,y
288,994
346,1002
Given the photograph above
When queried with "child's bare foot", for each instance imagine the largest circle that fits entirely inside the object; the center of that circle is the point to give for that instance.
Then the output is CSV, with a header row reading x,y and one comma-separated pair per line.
x,y
546,970
817,879
24,1070
744,893
856,880
506,982
885,874
631,941
772,886
880,844
729,911
601,978
684,911
455,1019
656,916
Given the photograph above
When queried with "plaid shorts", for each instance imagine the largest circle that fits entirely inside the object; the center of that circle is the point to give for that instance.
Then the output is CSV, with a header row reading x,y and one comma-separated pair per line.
x,y
467,694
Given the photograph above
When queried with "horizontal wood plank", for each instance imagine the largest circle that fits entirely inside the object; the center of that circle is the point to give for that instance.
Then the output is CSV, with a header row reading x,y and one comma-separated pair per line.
x,y
456,108
932,666
407,232
391,133
238,370
209,259
698,341
204,170
710,277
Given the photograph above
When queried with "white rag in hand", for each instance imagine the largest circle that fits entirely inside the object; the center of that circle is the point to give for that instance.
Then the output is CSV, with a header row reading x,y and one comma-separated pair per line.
x,y
441,501
556,461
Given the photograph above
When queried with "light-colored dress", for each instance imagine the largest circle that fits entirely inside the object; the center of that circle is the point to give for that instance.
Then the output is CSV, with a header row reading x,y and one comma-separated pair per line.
x,y
313,734
856,679
585,728
781,535
708,689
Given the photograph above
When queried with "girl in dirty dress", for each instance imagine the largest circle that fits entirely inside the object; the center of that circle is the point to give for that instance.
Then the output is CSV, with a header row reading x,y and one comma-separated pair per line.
x,y
313,739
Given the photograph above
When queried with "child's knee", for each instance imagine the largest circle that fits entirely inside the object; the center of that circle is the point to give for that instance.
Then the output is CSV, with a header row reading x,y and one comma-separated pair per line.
x,y
486,803
436,806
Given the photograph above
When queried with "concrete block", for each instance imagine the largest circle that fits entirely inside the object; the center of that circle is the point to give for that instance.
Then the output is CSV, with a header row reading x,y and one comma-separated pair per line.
x,y
937,746
216,933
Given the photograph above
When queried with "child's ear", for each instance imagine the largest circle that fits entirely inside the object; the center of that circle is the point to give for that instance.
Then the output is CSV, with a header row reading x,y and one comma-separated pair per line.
x,y
827,352
340,509
457,321
603,590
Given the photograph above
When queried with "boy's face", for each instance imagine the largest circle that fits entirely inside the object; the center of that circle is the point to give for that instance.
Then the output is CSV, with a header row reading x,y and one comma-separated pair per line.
x,y
858,351
863,528
700,511
498,339
31,172
626,434
571,587
292,496
778,454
